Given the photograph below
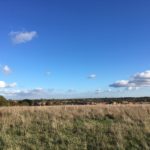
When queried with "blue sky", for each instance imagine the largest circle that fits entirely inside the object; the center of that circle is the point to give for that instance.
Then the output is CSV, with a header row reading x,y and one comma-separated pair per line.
x,y
67,48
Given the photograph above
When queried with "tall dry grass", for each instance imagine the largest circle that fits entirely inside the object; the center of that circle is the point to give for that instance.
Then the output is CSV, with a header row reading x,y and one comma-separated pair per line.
x,y
114,127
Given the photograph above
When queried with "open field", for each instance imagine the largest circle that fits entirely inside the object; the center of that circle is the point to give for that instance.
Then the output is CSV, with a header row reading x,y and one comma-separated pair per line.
x,y
93,127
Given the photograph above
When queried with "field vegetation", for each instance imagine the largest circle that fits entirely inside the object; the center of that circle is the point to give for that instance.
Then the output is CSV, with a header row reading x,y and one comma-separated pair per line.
x,y
76,127
81,101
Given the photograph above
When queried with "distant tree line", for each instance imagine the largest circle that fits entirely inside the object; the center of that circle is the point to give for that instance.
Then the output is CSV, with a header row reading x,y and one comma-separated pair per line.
x,y
81,101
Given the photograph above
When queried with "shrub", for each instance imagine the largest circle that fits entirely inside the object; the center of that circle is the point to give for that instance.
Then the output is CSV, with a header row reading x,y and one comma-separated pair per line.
x,y
3,101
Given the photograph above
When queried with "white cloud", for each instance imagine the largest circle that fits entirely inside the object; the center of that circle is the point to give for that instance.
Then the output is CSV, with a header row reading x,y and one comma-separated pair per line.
x,y
98,91
145,75
130,88
138,80
6,69
14,84
7,85
22,36
120,83
2,84
28,93
38,93
92,76
109,90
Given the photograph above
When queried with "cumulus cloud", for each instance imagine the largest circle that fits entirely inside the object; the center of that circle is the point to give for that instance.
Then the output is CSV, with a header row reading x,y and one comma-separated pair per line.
x,y
120,83
92,76
138,80
3,84
22,36
6,69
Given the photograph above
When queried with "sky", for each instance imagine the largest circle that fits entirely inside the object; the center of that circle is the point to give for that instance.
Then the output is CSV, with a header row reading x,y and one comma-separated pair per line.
x,y
74,48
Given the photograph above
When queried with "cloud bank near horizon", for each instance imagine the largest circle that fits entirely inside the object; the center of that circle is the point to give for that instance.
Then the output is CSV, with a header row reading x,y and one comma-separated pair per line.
x,y
3,84
138,80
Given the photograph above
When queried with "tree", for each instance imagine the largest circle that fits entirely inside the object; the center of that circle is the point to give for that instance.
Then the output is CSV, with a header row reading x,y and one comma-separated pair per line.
x,y
3,101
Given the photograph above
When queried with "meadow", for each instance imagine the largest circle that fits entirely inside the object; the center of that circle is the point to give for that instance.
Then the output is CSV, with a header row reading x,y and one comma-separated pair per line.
x,y
87,127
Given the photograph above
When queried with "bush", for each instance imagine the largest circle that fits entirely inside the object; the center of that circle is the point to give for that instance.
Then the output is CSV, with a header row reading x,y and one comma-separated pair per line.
x,y
3,101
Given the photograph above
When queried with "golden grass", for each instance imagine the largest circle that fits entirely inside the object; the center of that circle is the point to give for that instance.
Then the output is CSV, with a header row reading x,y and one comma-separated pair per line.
x,y
75,127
